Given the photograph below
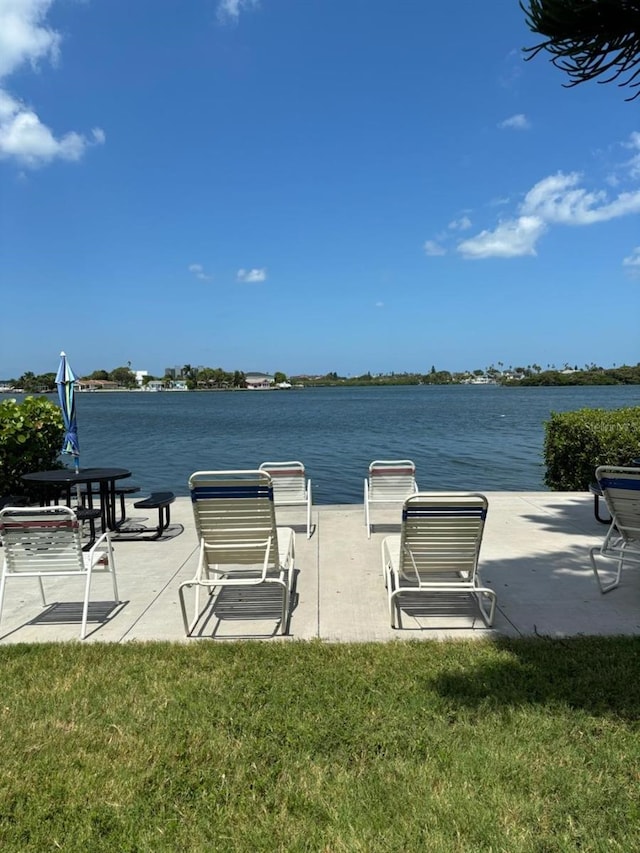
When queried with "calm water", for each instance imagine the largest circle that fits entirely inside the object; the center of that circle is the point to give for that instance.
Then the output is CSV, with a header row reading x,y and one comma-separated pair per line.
x,y
460,437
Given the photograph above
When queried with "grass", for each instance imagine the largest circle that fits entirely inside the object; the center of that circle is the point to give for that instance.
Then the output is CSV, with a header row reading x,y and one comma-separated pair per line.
x,y
517,745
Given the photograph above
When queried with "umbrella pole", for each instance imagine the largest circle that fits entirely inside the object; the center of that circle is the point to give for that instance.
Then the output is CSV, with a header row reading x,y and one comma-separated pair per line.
x,y
77,467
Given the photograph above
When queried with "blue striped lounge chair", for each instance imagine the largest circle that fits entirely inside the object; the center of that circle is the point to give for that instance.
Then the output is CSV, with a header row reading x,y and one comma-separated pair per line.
x,y
620,488
437,551
240,545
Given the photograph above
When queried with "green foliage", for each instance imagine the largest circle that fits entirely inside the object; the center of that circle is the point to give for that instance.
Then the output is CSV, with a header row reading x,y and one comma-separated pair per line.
x,y
123,376
588,39
31,434
591,375
31,383
577,442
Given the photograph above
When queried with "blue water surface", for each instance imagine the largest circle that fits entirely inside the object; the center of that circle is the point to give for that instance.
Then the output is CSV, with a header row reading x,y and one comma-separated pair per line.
x,y
460,437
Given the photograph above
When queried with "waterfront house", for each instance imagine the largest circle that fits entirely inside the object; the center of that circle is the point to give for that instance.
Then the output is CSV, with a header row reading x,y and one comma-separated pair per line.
x,y
258,380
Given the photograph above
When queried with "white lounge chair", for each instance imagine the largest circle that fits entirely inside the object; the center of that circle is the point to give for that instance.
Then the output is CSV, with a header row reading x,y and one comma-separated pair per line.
x,y
240,545
44,542
620,488
389,481
437,550
290,486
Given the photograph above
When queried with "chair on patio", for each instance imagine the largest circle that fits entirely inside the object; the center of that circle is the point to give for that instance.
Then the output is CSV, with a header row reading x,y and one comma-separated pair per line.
x,y
43,542
620,489
240,545
389,481
290,486
437,550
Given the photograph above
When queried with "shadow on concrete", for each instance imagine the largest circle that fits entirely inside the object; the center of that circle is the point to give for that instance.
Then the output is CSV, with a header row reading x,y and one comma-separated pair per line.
x,y
70,613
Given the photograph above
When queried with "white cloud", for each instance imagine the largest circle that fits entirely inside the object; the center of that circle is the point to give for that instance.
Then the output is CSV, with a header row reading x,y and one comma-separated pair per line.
x,y
555,200
634,164
510,239
633,261
23,34
198,271
252,276
516,122
25,37
460,224
558,199
229,10
434,249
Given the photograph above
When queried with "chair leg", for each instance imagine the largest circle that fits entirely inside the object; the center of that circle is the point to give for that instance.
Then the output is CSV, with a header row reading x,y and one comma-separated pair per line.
x,y
42,595
284,622
488,617
114,581
85,608
605,587
2,591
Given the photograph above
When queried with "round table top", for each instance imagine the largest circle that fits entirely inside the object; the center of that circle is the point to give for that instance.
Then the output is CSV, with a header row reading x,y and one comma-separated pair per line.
x,y
68,476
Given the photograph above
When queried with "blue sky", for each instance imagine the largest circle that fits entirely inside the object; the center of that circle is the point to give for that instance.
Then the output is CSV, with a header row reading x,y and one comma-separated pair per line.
x,y
308,186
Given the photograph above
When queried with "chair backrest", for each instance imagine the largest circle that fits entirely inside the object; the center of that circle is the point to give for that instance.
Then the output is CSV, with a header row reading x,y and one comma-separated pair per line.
x,y
41,539
621,491
442,532
289,481
234,516
391,479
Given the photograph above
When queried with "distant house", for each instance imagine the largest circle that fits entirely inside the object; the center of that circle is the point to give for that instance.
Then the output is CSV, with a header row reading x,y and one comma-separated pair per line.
x,y
258,380
96,385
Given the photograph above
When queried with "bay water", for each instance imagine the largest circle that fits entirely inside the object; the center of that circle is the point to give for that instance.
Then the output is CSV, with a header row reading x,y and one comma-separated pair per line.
x,y
460,437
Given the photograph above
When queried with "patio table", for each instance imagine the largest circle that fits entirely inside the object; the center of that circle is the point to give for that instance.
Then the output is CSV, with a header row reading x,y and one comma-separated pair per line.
x,y
66,478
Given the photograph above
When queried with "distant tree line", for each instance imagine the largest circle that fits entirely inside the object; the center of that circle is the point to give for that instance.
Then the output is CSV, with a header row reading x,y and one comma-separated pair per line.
x,y
32,383
512,376
215,378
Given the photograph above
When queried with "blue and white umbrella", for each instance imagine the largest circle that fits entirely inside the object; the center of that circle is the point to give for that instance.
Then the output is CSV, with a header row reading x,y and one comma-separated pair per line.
x,y
66,380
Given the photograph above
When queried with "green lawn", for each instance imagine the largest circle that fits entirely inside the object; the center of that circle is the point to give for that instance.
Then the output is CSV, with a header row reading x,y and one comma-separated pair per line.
x,y
524,745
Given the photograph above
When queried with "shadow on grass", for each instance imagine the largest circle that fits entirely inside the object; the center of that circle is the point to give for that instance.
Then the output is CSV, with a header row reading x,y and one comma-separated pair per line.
x,y
600,675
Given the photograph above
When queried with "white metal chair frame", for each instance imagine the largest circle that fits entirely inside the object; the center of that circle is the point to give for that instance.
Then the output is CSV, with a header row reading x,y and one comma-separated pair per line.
x,y
621,491
290,486
437,550
43,542
240,544
389,481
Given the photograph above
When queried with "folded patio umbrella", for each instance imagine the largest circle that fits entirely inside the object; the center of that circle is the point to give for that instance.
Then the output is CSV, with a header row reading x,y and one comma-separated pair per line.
x,y
66,380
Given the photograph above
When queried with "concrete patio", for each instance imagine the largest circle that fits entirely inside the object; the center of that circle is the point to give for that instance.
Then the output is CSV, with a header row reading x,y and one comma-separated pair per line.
x,y
534,555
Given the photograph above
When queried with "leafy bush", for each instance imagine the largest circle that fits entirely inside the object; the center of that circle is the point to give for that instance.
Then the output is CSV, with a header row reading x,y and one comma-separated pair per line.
x,y
577,442
31,436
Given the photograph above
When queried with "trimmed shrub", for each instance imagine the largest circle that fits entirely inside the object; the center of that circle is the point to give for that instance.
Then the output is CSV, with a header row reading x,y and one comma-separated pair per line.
x,y
577,442
31,434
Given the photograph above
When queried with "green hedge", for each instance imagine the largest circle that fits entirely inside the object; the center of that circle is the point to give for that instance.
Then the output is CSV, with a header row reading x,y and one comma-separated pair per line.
x,y
577,442
31,434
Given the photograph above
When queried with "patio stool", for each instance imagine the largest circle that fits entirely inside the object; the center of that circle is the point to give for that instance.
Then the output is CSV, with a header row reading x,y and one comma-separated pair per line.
x,y
596,491
83,513
157,500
